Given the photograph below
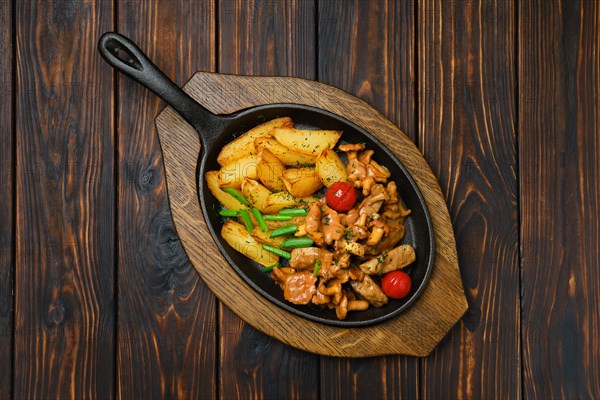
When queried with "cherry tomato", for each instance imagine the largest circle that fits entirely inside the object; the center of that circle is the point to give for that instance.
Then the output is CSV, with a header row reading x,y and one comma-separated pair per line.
x,y
396,284
341,196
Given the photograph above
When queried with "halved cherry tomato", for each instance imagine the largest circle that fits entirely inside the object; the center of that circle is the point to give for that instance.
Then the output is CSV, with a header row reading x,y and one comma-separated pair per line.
x,y
396,284
341,196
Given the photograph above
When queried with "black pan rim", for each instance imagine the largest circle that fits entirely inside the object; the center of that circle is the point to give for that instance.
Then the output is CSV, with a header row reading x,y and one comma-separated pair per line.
x,y
200,170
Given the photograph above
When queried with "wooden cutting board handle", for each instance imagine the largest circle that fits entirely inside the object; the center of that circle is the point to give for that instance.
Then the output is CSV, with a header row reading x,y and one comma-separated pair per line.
x,y
416,331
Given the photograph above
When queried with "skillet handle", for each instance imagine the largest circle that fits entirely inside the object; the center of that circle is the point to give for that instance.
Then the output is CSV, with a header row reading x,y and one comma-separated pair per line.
x,y
125,56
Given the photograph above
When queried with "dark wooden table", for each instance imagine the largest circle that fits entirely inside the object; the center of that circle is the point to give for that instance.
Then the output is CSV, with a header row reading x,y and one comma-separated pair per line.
x,y
97,298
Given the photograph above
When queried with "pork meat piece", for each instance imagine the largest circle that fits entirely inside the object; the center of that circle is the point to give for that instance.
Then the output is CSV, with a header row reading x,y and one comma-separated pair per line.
x,y
306,257
370,291
392,260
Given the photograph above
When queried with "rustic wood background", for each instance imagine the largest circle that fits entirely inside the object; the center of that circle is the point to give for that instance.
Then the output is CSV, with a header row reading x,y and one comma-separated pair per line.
x,y
97,298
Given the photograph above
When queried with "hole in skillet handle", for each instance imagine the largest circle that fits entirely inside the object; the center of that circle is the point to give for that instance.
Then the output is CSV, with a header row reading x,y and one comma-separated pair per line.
x,y
123,54
418,226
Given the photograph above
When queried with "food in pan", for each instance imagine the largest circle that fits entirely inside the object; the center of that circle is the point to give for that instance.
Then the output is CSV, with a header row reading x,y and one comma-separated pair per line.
x,y
323,219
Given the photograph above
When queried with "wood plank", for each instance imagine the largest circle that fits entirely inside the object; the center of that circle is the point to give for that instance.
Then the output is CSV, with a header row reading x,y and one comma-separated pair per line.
x,y
264,37
167,335
559,121
367,48
65,203
467,132
6,198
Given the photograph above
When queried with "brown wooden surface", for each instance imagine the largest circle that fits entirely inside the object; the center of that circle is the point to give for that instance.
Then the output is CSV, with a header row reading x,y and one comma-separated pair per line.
x,y
264,38
67,219
559,147
65,203
167,329
467,122
6,198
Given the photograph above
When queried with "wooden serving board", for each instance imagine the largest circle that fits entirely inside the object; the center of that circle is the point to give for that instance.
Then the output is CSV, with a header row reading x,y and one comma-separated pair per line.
x,y
414,332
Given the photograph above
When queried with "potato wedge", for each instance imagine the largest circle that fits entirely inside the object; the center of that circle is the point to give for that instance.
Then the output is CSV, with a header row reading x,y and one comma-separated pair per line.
x,y
243,146
269,171
301,182
236,235
234,173
278,224
306,141
285,155
263,237
278,201
330,168
307,200
255,193
228,201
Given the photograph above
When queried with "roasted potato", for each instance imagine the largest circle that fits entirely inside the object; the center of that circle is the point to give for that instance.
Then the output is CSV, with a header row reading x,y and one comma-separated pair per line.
x,y
278,201
284,154
234,173
236,235
330,168
263,237
255,193
304,141
243,145
269,171
302,182
278,224
228,201
307,200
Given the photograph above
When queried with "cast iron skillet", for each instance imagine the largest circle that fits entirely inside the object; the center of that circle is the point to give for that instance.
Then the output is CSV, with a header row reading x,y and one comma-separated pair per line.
x,y
217,130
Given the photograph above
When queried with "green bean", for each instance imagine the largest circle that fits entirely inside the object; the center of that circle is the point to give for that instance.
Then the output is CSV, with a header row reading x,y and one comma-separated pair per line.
x,y
284,230
277,217
239,197
277,251
294,243
260,220
294,212
270,267
229,213
247,221
317,268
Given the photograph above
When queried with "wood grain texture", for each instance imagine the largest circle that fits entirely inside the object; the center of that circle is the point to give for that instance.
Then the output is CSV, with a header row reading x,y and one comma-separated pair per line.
x,y
65,195
467,123
7,196
559,143
375,61
264,37
167,327
438,308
